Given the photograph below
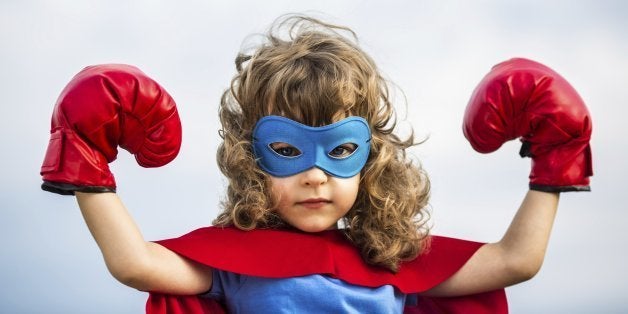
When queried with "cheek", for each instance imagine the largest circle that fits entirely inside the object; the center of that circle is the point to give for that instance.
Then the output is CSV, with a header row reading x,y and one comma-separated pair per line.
x,y
278,188
351,189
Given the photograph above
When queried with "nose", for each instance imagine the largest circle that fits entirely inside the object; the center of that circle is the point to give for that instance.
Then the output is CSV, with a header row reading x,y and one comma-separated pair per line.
x,y
314,177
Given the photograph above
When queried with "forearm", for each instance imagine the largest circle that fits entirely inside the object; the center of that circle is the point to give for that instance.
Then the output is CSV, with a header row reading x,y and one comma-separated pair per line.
x,y
136,263
118,237
515,258
525,242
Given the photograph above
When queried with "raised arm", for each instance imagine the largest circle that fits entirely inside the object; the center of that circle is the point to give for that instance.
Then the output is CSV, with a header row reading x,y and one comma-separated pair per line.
x,y
523,99
101,108
517,257
131,260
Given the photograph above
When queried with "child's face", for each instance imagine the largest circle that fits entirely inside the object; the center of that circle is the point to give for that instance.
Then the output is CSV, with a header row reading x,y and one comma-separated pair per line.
x,y
314,171
312,200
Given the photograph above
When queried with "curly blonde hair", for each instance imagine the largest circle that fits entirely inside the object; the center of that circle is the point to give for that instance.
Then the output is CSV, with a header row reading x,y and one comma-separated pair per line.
x,y
315,75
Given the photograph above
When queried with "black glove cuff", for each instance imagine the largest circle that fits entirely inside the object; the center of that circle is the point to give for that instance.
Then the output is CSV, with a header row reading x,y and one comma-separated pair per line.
x,y
559,189
69,189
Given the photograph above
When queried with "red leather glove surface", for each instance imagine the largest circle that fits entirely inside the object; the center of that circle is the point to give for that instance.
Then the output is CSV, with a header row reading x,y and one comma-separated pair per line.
x,y
101,108
524,99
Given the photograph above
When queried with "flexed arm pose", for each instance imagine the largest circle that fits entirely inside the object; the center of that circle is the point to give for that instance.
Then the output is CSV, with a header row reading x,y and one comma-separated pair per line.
x,y
101,108
524,99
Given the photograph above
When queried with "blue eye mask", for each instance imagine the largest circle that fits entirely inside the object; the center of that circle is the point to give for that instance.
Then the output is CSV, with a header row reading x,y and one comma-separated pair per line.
x,y
302,147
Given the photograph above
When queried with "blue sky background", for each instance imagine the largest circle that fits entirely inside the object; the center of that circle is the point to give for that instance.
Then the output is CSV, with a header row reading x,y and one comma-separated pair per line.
x,y
436,51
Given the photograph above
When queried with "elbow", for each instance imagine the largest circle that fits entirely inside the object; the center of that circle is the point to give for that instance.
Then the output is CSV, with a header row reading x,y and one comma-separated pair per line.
x,y
526,272
132,274
524,267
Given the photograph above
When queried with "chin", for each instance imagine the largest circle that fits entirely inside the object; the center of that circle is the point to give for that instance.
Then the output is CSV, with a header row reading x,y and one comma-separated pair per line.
x,y
315,227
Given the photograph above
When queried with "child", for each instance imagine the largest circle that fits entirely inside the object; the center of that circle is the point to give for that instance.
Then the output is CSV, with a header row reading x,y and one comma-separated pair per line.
x,y
324,212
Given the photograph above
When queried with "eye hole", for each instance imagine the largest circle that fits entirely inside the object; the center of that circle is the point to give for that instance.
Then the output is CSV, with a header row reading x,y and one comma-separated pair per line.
x,y
285,149
343,150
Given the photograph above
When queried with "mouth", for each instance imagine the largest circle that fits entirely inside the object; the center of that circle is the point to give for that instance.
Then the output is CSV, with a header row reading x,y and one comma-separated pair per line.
x,y
314,203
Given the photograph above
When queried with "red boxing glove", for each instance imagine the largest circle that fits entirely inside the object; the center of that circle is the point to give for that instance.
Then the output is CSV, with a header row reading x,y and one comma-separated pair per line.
x,y
524,99
102,107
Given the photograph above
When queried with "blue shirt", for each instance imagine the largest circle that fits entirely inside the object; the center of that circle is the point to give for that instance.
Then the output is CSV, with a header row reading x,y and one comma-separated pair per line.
x,y
307,294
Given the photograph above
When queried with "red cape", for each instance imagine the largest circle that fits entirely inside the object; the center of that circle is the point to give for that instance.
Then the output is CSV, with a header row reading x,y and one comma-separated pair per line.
x,y
287,253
